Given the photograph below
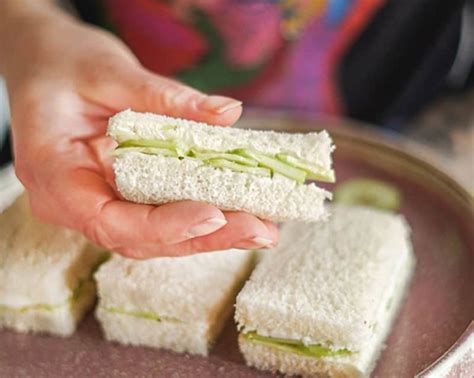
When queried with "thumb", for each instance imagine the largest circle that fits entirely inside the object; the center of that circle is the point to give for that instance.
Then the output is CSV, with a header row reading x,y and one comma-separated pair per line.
x,y
131,86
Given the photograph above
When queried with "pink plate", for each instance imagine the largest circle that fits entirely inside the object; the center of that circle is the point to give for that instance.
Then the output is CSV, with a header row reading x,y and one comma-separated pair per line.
x,y
437,311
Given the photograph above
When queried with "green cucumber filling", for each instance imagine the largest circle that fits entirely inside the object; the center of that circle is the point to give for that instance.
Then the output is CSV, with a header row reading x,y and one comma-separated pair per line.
x,y
37,307
136,314
77,292
239,160
368,192
139,314
295,346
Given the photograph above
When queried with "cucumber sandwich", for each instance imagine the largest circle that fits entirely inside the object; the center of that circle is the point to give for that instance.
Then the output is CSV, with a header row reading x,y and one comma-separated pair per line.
x,y
176,303
46,282
161,159
323,302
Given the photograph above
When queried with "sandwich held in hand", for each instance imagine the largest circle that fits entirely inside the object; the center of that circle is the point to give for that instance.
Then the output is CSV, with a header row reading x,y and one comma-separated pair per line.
x,y
46,282
161,159
323,302
174,303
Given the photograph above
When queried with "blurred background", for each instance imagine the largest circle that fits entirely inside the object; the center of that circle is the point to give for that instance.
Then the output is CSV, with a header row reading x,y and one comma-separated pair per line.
x,y
404,67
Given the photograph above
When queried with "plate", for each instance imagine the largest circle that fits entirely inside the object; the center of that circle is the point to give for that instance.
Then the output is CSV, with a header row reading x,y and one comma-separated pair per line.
x,y
431,326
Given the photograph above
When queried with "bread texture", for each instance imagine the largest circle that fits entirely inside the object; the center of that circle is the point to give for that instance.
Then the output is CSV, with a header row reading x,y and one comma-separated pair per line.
x,y
179,304
45,273
315,147
156,180
337,284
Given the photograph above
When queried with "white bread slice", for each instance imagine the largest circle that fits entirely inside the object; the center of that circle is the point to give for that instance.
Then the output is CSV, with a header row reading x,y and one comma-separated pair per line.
x,y
41,268
315,147
337,284
192,296
156,180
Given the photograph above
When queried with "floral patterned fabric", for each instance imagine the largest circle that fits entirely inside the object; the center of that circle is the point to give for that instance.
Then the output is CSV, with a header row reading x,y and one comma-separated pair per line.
x,y
274,53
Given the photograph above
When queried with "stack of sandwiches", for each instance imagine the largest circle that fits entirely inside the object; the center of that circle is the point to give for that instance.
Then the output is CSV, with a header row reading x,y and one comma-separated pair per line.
x,y
320,304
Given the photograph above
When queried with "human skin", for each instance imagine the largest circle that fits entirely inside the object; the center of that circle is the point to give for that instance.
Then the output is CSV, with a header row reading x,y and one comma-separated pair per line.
x,y
65,79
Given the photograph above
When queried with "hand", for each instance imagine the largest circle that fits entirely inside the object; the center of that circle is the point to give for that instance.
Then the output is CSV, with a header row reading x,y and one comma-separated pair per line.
x,y
65,80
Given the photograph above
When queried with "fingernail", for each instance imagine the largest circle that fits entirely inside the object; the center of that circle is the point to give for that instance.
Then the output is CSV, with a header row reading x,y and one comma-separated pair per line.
x,y
207,227
220,104
256,242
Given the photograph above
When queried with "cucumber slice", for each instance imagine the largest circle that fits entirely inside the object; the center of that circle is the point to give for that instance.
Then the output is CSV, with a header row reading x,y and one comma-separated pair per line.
x,y
208,155
368,192
295,346
167,127
136,314
146,150
275,165
170,145
222,163
313,171
35,307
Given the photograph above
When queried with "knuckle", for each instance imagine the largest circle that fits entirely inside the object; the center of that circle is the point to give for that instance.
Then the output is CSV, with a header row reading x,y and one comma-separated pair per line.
x,y
152,94
147,88
195,98
95,231
168,95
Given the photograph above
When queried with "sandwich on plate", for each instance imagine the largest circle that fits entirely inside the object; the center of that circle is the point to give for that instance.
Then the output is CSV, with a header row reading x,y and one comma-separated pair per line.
x,y
46,282
175,303
161,159
323,302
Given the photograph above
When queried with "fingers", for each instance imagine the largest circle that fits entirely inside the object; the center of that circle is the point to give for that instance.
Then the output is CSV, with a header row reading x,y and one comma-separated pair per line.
x,y
83,201
145,231
130,86
242,231
120,224
155,93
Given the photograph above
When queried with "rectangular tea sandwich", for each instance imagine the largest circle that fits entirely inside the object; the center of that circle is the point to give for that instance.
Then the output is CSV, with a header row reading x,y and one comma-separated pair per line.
x,y
323,302
176,303
46,282
161,159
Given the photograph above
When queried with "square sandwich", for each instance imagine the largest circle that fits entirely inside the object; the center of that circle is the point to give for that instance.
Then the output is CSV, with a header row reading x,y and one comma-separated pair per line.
x,y
46,282
272,175
176,303
323,302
